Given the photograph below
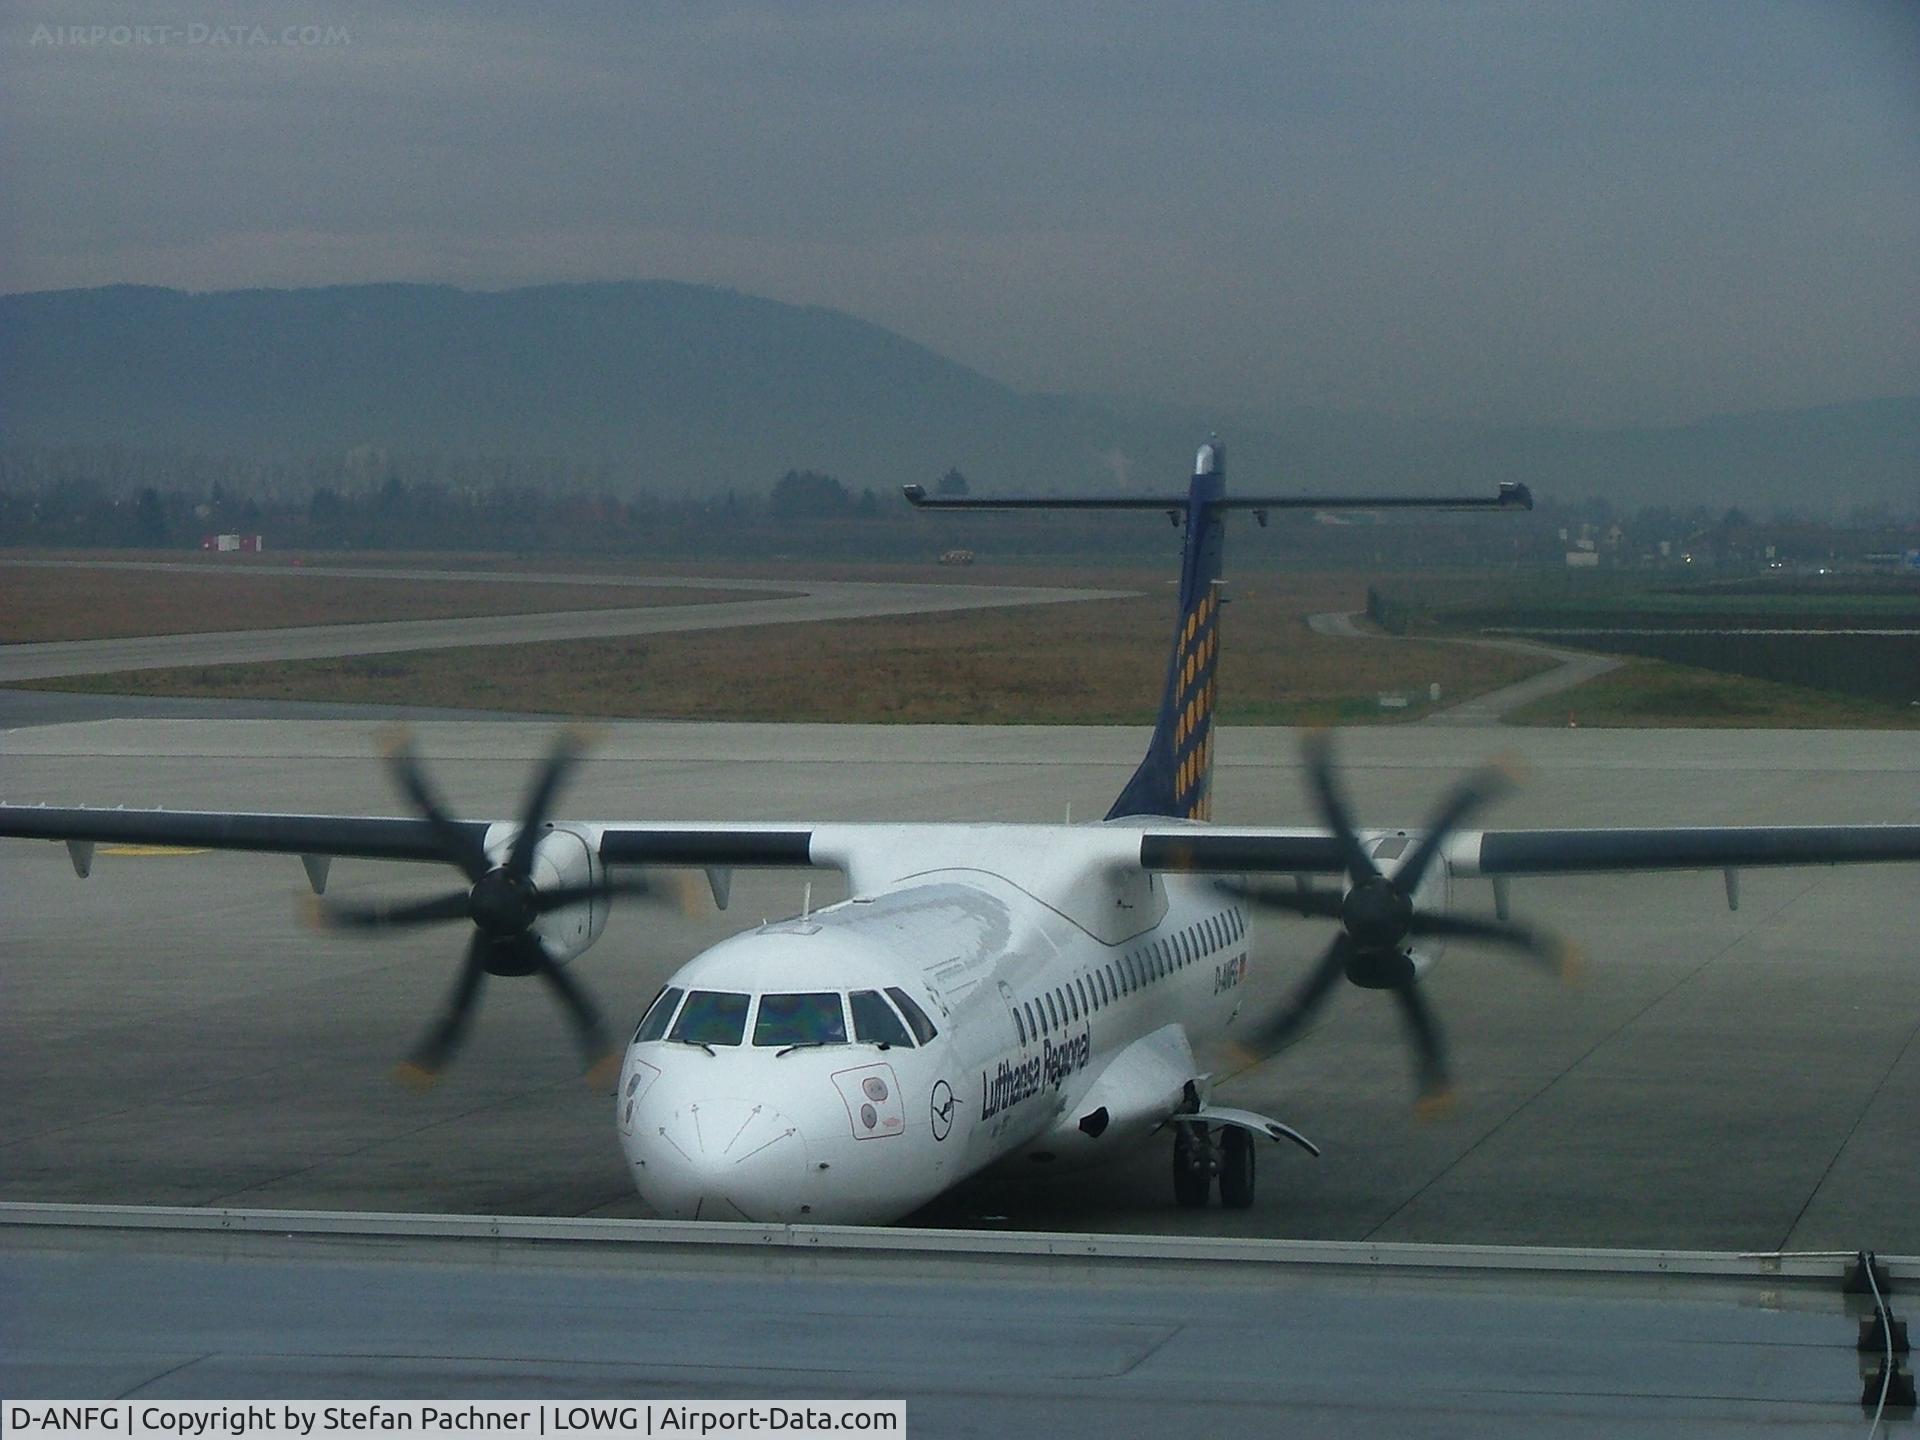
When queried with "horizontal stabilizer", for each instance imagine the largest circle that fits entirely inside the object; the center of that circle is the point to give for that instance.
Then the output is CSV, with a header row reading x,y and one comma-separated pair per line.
x,y
1508,497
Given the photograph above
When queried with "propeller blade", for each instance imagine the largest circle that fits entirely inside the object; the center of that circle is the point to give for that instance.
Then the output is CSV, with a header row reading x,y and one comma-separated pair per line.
x,y
1477,790
567,749
1304,1001
1436,1086
411,777
589,1031
389,915
1266,895
1542,947
429,1058
1318,750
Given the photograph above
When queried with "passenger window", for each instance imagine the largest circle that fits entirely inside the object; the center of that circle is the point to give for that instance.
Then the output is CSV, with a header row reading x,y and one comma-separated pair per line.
x,y
1132,970
711,1017
809,1019
874,1022
653,1024
1019,1025
917,1020
1100,979
1033,1027
1080,988
1053,1016
1073,1006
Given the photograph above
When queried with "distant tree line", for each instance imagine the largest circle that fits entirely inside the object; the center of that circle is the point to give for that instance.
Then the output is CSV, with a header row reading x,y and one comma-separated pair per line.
x,y
368,500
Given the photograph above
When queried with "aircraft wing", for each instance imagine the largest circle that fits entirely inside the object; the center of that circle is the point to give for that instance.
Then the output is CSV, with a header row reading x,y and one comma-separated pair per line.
x,y
1223,851
379,837
1706,847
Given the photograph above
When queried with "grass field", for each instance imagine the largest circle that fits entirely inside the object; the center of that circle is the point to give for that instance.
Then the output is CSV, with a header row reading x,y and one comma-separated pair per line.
x,y
1655,693
1086,663
44,604
1092,663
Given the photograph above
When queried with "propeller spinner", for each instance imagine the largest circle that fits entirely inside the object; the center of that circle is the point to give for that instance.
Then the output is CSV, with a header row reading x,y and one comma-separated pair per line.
x,y
1378,920
502,902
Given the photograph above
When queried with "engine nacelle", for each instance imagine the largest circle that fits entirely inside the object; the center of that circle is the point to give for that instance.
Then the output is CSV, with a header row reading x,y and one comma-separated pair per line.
x,y
563,858
1430,897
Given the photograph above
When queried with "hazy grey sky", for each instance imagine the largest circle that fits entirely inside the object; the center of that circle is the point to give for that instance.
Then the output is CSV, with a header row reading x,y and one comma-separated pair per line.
x,y
1603,212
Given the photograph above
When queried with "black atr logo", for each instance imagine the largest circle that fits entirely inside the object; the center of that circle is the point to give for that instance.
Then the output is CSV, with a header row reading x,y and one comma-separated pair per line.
x,y
941,1110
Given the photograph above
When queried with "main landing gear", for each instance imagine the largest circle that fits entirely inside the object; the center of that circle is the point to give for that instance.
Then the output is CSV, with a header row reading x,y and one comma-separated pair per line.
x,y
1201,1154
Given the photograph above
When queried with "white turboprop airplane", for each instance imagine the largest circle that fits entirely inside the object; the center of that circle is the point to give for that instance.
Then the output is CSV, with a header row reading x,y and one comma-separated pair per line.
x,y
989,992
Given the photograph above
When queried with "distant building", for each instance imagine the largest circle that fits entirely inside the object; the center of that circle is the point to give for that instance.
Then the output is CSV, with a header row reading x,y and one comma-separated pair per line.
x,y
247,544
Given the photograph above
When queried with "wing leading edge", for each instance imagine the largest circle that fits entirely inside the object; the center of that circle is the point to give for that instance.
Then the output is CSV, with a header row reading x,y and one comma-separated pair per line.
x,y
1185,850
1546,852
376,837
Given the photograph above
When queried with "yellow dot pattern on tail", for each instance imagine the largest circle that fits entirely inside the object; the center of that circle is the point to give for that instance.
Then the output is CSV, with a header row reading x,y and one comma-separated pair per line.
x,y
1193,729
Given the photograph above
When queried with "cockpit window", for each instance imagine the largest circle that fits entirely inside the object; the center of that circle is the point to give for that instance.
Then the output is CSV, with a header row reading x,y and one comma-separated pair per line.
x,y
922,1027
807,1019
654,1023
874,1022
711,1017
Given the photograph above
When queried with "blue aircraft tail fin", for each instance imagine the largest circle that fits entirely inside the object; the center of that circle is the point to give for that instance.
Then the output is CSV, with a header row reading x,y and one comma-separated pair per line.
x,y
1175,777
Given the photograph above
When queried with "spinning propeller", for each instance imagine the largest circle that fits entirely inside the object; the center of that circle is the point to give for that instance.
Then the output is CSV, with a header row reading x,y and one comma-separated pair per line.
x,y
502,903
1378,919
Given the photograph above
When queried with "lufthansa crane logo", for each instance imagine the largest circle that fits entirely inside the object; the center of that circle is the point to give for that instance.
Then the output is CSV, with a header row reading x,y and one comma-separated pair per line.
x,y
941,1110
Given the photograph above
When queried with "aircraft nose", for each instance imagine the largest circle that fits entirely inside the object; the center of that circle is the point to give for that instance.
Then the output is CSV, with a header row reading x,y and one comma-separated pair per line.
x,y
720,1159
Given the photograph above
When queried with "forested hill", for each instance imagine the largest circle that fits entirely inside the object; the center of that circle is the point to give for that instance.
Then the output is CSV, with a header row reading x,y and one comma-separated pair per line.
x,y
676,387
674,382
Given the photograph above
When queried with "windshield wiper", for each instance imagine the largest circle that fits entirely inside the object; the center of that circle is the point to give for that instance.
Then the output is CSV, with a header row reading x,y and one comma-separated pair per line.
x,y
799,1045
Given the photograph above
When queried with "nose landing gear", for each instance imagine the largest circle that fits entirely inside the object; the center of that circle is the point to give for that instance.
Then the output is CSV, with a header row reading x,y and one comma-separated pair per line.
x,y
1202,1155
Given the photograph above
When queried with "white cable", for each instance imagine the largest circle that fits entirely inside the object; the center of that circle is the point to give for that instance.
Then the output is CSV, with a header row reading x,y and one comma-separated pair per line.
x,y
1886,1334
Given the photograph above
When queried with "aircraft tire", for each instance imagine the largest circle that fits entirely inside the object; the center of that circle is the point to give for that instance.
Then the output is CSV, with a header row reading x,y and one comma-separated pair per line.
x,y
1236,1169
1191,1186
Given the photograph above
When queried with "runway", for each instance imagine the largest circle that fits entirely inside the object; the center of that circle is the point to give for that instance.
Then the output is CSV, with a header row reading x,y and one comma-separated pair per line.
x,y
786,603
172,1034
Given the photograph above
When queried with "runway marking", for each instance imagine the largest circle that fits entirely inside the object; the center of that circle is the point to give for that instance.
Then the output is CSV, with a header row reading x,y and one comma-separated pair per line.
x,y
150,850
1859,1119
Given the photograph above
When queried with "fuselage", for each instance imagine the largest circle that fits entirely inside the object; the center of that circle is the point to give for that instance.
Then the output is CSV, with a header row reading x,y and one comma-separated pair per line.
x,y
851,1064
